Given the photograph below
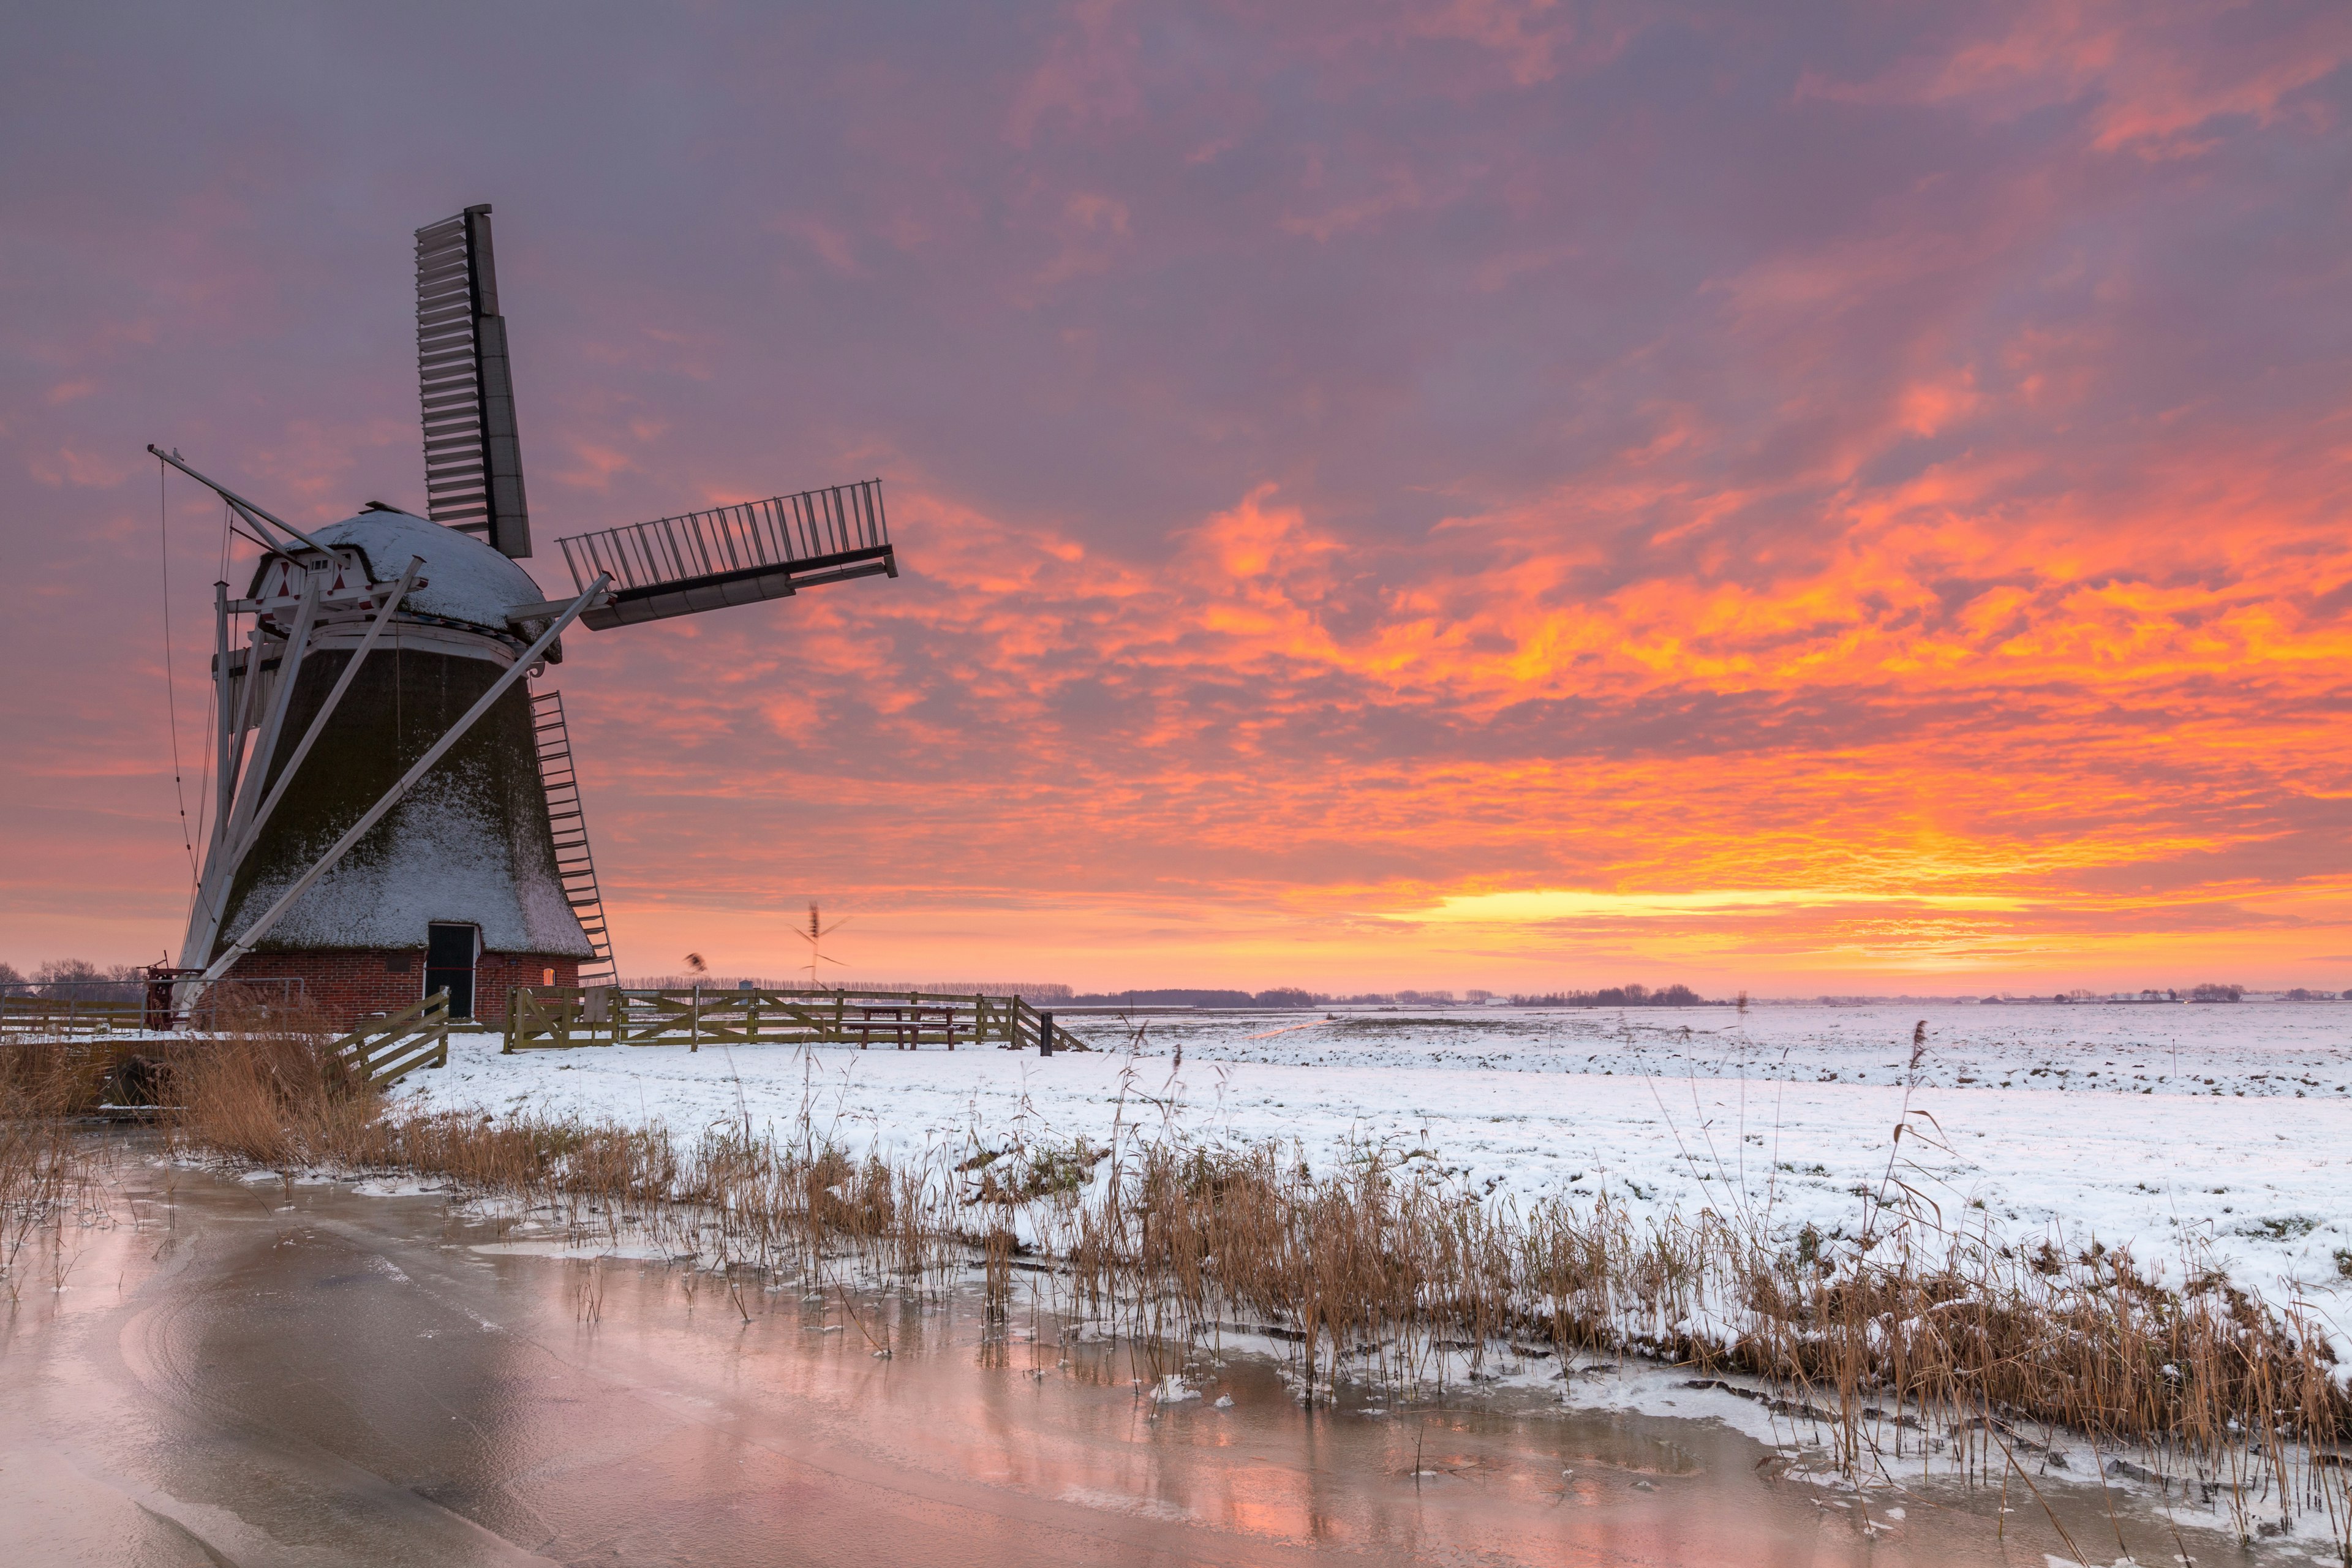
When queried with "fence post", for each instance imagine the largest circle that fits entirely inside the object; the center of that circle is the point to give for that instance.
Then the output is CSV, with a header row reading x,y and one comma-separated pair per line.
x,y
694,1021
1044,1034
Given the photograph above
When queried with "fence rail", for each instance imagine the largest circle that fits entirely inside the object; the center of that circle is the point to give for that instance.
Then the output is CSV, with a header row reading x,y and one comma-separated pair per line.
x,y
70,1008
383,1051
69,1016
550,1017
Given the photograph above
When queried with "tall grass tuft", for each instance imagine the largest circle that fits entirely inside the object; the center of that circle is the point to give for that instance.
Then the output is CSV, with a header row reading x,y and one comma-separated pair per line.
x,y
45,1085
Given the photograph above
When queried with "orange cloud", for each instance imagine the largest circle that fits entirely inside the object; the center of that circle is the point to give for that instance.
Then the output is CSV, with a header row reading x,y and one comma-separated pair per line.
x,y
1464,492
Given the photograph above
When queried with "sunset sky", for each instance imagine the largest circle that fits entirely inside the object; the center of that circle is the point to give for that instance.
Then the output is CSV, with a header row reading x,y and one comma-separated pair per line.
x,y
1803,498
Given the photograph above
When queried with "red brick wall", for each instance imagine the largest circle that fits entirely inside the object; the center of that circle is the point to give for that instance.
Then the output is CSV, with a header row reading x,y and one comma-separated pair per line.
x,y
349,985
498,973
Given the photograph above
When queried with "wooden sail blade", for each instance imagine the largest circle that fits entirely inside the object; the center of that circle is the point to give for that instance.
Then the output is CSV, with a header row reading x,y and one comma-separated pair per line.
x,y
473,458
733,554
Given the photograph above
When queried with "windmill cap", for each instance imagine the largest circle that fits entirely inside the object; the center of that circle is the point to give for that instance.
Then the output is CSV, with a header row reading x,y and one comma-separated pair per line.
x,y
465,579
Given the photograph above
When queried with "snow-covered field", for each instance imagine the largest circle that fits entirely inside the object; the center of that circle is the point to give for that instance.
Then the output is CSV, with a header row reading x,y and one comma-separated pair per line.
x,y
2223,1127
2259,1048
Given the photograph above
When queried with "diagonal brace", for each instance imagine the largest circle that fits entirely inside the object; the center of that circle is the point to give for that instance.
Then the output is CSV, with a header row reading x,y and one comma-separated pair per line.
x,y
327,710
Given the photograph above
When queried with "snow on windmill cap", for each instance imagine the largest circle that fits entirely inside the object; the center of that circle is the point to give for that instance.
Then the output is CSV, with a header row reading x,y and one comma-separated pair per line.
x,y
465,579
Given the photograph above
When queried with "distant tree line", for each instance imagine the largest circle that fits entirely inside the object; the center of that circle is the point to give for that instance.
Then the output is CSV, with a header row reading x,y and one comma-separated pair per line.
x,y
1620,996
1169,996
1184,996
1410,998
77,980
2210,992
1281,996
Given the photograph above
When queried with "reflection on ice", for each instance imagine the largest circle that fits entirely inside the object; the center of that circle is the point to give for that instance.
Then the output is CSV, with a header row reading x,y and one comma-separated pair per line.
x,y
367,1379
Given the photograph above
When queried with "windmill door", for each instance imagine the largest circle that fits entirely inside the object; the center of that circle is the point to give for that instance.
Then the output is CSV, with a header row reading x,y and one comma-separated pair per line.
x,y
449,961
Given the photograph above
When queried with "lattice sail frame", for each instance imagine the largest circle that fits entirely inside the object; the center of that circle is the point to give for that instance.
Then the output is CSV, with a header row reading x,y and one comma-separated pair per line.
x,y
473,458
734,554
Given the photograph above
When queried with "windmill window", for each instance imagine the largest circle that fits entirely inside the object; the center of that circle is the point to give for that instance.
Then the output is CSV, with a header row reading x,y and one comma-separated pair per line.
x,y
450,951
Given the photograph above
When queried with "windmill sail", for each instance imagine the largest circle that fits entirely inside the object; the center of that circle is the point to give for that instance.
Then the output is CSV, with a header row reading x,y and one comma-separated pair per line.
x,y
473,461
734,554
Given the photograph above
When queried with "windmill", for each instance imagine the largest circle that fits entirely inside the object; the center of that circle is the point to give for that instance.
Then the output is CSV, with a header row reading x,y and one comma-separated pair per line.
x,y
394,810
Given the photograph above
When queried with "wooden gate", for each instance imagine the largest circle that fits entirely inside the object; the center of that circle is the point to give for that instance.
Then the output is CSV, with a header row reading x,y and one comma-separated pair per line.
x,y
383,1052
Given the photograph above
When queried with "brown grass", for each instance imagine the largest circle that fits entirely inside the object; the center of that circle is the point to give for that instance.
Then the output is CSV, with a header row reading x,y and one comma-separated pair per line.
x,y
44,1178
1927,1344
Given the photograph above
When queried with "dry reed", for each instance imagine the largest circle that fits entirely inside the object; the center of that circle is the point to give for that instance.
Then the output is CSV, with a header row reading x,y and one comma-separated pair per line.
x,y
46,1182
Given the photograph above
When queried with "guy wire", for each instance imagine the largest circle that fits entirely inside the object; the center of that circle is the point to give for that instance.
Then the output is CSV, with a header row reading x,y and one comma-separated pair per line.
x,y
171,694
216,694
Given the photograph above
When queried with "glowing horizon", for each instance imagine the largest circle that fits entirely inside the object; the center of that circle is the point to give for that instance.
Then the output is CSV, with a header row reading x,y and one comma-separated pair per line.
x,y
1382,501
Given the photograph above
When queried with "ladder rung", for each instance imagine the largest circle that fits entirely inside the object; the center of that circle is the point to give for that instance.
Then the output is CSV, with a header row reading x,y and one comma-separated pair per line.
x,y
575,868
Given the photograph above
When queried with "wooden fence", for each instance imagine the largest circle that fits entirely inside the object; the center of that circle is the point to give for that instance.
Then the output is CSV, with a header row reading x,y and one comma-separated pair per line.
x,y
57,1016
383,1051
76,1009
553,1018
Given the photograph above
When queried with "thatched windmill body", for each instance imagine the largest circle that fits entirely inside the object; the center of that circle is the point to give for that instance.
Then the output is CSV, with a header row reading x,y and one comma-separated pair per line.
x,y
394,806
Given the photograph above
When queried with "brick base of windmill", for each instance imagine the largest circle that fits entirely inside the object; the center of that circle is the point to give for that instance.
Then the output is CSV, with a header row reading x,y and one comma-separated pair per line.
x,y
346,985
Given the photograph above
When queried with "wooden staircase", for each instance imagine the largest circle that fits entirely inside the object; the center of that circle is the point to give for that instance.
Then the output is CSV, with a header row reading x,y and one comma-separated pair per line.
x,y
572,861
